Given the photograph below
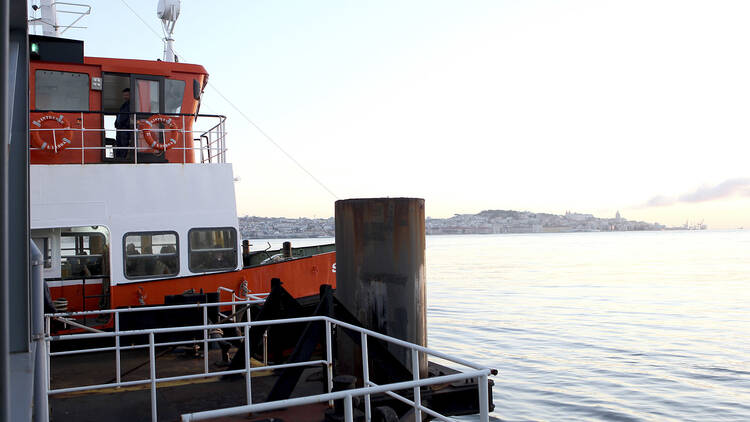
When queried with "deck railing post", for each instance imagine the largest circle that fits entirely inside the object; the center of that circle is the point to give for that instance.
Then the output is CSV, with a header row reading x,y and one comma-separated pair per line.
x,y
184,141
48,334
117,347
248,365
417,393
265,346
83,150
484,408
348,409
329,359
205,339
366,375
135,139
152,361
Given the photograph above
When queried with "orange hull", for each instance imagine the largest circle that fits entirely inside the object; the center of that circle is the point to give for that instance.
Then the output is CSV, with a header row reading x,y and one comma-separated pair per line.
x,y
301,277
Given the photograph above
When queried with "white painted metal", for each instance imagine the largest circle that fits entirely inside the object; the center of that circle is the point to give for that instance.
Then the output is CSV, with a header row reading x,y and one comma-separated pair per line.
x,y
248,367
51,27
348,411
168,11
417,390
152,368
357,392
205,340
329,359
212,151
117,349
403,399
49,18
130,198
479,372
366,374
153,308
484,413
75,282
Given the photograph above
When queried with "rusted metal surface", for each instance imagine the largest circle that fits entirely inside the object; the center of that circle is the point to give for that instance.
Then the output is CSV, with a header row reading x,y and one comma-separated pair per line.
x,y
380,268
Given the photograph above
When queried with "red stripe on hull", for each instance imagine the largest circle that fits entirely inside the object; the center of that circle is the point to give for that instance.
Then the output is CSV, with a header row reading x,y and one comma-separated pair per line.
x,y
301,277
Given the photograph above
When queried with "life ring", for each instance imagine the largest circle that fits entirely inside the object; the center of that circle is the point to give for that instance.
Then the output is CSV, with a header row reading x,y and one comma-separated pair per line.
x,y
171,134
57,144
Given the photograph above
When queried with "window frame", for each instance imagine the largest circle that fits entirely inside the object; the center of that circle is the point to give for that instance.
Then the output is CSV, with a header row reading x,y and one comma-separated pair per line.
x,y
46,250
152,233
75,234
234,249
57,109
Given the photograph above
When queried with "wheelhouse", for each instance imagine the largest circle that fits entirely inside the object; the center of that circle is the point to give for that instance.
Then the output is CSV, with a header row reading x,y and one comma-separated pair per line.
x,y
87,110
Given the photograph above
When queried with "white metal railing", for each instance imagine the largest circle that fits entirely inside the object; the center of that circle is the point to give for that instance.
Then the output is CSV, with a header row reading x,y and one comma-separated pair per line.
x,y
208,146
474,371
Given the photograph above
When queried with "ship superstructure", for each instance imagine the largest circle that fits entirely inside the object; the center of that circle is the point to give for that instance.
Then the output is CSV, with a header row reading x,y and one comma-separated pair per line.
x,y
132,199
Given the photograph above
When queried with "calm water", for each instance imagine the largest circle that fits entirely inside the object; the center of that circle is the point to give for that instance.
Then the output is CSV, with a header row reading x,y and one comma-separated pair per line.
x,y
645,326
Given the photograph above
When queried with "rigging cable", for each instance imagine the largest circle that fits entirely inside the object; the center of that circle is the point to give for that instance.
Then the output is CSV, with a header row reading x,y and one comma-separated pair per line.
x,y
248,119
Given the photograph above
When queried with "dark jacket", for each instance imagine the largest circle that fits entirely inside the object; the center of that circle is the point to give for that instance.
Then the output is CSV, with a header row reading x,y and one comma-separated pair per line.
x,y
123,116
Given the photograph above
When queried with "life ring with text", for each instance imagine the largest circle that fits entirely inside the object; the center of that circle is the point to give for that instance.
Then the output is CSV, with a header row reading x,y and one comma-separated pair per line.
x,y
171,133
57,143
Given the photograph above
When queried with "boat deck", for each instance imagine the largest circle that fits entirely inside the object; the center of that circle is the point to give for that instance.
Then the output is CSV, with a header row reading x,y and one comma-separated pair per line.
x,y
173,399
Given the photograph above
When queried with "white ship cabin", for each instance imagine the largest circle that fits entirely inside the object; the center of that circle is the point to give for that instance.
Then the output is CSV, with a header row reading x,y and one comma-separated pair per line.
x,y
129,182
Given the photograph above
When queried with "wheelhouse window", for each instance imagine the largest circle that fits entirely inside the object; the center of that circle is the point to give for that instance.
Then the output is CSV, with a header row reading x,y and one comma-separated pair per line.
x,y
146,96
174,91
82,255
149,254
61,91
212,249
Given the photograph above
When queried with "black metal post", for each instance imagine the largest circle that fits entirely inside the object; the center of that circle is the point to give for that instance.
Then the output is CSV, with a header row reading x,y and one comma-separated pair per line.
x,y
4,141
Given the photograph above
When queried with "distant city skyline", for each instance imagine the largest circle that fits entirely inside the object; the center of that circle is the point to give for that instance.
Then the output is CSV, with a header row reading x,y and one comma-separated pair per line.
x,y
589,105
485,222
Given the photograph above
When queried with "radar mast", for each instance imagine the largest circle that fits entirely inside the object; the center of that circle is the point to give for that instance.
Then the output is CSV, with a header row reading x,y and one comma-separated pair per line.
x,y
168,11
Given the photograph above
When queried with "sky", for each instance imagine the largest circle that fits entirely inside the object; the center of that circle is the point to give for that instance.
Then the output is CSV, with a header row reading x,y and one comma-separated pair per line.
x,y
544,106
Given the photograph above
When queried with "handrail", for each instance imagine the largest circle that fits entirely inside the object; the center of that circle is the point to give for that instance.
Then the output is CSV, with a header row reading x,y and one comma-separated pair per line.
x,y
478,372
215,136
111,113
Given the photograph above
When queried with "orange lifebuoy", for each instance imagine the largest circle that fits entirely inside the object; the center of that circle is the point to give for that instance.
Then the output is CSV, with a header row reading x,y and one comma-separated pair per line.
x,y
171,134
57,143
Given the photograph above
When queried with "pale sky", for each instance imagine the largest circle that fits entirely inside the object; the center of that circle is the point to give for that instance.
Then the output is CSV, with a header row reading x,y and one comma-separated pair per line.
x,y
546,106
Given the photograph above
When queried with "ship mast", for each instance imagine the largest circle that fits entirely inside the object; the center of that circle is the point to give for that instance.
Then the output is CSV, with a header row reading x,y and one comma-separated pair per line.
x,y
168,11
49,18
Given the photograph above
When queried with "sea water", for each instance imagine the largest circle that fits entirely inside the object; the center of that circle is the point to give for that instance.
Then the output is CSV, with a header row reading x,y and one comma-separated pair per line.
x,y
616,326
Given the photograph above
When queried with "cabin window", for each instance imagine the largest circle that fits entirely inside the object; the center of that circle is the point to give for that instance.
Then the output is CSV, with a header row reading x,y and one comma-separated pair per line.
x,y
149,254
147,96
43,244
83,255
174,92
61,91
212,249
196,90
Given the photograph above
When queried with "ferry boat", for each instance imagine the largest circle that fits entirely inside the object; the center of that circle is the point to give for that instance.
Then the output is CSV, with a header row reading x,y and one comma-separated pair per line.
x,y
132,205
132,198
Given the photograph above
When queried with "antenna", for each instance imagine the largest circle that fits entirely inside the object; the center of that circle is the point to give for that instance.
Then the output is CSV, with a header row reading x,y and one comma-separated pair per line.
x,y
168,11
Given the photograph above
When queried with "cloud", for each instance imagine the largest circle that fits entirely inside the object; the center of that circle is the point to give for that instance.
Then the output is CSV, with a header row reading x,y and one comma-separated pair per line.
x,y
726,189
660,201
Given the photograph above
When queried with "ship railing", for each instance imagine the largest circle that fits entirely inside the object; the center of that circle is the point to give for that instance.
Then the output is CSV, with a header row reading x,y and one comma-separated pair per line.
x,y
68,317
236,314
469,372
206,144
